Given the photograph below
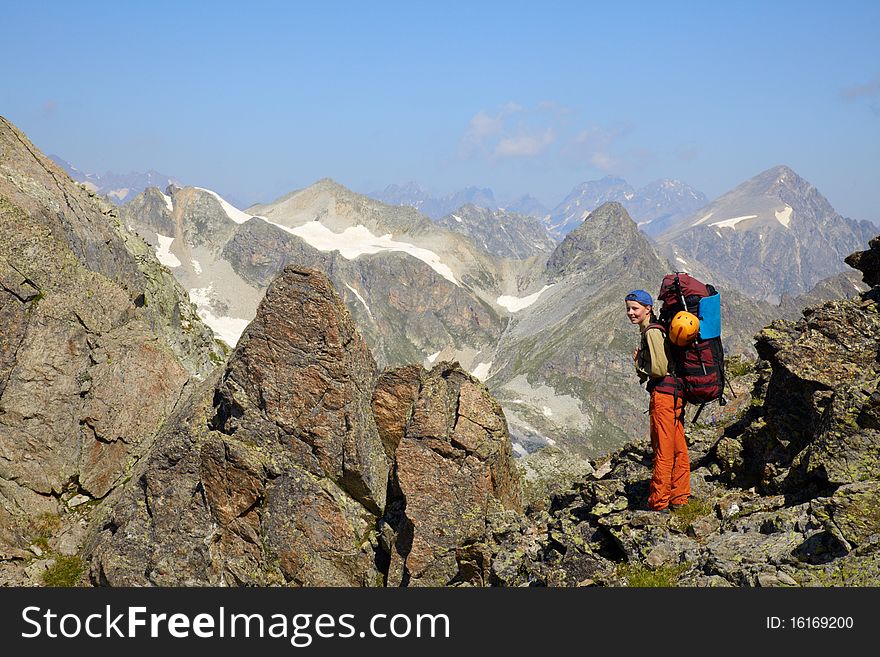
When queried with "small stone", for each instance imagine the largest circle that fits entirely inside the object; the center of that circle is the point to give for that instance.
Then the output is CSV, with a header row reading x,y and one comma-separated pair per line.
x,y
661,555
786,579
767,580
78,500
37,550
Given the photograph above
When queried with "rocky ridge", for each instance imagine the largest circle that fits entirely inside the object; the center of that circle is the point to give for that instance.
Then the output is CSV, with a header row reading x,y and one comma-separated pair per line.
x,y
502,233
289,468
92,326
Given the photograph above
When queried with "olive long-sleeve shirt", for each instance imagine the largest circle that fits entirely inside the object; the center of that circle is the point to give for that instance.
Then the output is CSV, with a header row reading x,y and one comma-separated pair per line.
x,y
653,357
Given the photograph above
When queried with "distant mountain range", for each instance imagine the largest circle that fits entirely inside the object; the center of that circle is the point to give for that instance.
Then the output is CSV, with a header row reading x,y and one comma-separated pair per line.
x,y
414,195
655,207
119,188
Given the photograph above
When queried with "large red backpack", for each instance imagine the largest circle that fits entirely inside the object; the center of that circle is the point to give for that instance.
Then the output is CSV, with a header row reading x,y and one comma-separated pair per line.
x,y
699,367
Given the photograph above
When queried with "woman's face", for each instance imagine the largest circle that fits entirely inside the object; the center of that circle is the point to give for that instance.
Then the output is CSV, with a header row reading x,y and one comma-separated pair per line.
x,y
636,311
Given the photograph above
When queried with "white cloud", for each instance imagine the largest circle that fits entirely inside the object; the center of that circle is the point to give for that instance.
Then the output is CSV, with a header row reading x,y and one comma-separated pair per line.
x,y
604,161
512,131
524,145
484,127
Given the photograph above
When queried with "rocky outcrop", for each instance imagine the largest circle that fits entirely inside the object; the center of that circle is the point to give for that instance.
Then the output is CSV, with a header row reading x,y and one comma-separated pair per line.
x,y
90,326
303,373
453,471
288,469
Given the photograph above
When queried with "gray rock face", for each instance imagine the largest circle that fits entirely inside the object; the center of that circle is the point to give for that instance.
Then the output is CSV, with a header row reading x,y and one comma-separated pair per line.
x,y
606,241
92,327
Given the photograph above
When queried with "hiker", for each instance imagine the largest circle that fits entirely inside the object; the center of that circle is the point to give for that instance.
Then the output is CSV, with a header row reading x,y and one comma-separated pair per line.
x,y
671,481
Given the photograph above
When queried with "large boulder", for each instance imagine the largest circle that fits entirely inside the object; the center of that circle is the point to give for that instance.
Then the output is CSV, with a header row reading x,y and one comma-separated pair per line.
x,y
276,473
453,471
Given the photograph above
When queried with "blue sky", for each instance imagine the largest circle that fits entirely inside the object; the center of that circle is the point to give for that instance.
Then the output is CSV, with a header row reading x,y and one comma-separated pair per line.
x,y
257,99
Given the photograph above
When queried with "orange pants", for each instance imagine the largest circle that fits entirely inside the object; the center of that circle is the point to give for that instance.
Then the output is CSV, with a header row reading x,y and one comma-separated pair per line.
x,y
671,483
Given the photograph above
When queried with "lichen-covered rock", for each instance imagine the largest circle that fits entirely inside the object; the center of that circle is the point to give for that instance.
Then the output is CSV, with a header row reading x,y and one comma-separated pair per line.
x,y
301,370
97,343
273,475
454,468
852,515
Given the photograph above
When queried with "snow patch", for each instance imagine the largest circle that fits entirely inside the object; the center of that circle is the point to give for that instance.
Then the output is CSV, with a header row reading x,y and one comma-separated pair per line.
x,y
163,251
231,211
706,218
433,357
481,371
457,218
547,411
358,240
168,203
682,261
519,449
228,329
784,216
731,223
515,304
360,298
197,267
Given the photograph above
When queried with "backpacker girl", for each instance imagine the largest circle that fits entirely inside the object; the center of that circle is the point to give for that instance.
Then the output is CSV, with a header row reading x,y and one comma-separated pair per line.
x,y
671,481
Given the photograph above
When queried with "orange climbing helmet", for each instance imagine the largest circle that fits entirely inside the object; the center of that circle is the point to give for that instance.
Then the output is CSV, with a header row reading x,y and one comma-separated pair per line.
x,y
684,328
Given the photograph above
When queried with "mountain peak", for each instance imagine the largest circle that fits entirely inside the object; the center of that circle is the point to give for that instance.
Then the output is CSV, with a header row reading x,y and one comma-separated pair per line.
x,y
771,235
607,240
